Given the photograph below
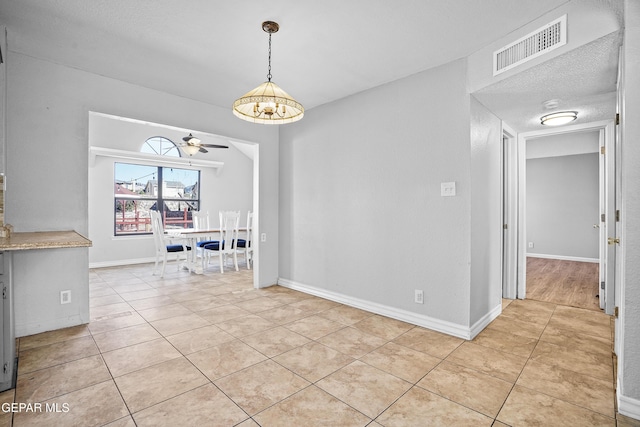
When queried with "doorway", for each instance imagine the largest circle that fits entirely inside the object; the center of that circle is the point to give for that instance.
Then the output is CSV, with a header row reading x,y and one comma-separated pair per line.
x,y
605,196
562,218
118,139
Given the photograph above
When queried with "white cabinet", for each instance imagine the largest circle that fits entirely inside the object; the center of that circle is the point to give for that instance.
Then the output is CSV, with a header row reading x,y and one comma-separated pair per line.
x,y
7,331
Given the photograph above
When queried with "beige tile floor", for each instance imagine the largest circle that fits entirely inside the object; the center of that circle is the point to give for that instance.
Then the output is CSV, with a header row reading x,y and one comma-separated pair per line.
x,y
209,350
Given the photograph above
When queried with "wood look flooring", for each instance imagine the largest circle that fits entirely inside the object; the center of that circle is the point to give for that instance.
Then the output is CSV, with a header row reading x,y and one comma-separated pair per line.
x,y
563,282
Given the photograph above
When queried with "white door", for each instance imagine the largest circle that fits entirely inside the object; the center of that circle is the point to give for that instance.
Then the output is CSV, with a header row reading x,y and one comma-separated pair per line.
x,y
600,222
609,222
509,213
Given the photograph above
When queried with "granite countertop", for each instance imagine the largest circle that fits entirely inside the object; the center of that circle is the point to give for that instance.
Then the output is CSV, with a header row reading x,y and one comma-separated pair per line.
x,y
21,241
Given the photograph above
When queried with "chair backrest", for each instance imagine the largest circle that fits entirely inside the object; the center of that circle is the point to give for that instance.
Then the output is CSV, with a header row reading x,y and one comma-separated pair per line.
x,y
201,220
249,228
229,224
158,231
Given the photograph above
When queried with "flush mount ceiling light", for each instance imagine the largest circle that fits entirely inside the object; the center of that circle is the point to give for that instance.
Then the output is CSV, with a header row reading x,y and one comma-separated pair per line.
x,y
559,118
268,104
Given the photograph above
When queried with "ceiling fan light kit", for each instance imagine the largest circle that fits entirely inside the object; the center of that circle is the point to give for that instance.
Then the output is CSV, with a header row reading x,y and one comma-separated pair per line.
x,y
268,103
192,145
191,139
190,149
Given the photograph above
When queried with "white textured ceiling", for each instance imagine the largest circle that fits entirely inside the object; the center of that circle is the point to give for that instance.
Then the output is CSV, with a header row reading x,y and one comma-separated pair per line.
x,y
582,80
215,51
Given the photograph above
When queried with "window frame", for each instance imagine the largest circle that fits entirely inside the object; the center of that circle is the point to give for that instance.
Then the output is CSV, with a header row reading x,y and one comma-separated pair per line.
x,y
158,146
160,200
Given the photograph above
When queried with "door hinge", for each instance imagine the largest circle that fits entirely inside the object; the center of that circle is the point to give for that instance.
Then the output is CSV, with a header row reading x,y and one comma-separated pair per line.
x,y
613,240
602,217
617,118
602,150
601,285
504,226
5,368
617,215
4,291
616,311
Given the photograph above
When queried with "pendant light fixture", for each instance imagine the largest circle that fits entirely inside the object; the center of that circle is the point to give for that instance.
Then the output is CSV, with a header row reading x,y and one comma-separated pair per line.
x,y
268,104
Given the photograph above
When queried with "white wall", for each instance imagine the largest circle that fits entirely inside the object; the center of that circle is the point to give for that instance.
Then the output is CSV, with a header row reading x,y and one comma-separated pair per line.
x,y
47,170
562,206
486,215
563,144
230,189
629,378
361,214
3,90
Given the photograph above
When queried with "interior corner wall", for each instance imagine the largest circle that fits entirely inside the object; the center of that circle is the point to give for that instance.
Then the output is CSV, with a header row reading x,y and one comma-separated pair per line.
x,y
361,211
47,170
630,304
486,213
562,206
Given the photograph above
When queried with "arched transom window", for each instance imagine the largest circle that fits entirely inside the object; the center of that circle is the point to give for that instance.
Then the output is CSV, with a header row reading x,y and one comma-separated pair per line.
x,y
160,145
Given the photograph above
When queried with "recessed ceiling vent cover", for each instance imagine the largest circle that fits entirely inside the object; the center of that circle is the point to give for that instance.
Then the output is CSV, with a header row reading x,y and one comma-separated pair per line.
x,y
550,37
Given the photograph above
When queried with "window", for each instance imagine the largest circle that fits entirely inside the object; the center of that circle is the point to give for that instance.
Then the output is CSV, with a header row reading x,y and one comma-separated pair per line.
x,y
174,192
161,146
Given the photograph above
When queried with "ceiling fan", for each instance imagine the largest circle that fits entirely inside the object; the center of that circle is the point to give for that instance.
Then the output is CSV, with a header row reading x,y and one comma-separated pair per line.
x,y
192,145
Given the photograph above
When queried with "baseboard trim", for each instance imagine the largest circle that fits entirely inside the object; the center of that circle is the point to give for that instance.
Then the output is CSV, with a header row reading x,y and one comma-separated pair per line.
x,y
485,320
117,263
445,327
45,326
628,406
564,258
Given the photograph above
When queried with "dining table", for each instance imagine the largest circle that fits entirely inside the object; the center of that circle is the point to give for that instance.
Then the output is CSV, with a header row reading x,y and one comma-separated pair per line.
x,y
192,235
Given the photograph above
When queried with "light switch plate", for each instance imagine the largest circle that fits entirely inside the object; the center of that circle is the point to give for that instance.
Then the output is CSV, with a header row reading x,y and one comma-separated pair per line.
x,y
447,189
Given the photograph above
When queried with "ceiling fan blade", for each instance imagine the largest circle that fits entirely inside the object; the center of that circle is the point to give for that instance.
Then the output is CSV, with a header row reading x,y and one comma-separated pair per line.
x,y
213,146
202,150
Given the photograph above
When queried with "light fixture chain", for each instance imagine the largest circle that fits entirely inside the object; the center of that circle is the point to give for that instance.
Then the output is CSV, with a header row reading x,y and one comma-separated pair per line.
x,y
269,73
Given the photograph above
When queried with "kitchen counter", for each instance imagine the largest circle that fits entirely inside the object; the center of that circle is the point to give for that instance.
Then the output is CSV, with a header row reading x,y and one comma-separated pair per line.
x,y
22,241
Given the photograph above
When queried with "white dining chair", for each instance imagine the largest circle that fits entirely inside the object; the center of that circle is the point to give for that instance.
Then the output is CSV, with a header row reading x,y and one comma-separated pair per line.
x,y
226,247
201,222
244,246
165,244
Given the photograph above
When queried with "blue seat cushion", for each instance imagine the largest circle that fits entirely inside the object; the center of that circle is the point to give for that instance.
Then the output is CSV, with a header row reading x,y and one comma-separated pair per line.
x,y
213,246
243,243
206,242
176,248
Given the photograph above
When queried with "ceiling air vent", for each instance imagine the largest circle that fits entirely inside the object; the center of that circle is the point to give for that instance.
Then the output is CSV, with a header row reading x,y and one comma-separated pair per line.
x,y
551,36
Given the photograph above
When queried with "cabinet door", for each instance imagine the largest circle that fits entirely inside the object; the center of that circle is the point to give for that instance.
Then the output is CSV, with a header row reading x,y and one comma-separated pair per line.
x,y
7,333
3,347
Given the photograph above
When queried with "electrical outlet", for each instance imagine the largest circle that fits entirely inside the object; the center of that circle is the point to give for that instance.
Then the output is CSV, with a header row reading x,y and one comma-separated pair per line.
x,y
419,297
263,237
530,245
65,297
